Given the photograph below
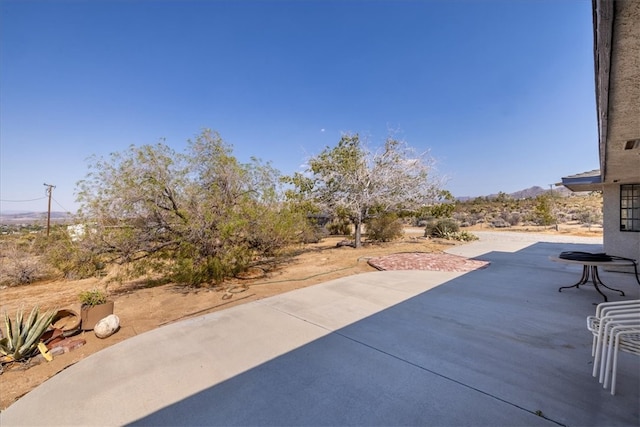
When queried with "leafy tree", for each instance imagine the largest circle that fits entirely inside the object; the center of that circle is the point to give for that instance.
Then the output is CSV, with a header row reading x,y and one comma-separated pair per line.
x,y
543,210
352,179
199,216
443,206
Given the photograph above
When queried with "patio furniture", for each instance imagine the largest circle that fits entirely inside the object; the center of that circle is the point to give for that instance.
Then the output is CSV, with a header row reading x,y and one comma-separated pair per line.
x,y
590,263
608,309
627,339
616,327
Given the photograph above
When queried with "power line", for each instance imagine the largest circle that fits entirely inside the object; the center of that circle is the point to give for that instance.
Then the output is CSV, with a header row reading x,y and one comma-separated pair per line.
x,y
58,203
21,201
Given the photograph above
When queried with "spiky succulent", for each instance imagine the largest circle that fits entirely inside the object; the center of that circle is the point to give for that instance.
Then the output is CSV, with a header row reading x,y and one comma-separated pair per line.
x,y
21,338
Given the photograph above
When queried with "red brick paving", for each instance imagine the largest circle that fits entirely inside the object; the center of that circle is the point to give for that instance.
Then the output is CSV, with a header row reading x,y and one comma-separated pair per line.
x,y
426,261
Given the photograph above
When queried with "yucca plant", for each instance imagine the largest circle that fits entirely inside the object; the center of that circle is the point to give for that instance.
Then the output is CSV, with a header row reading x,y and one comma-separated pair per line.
x,y
21,338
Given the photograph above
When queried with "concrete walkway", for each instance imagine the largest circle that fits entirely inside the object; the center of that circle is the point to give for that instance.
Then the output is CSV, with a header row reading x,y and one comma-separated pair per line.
x,y
495,347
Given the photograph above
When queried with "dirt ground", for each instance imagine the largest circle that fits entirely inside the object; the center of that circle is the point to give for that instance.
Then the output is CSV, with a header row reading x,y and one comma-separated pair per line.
x,y
142,308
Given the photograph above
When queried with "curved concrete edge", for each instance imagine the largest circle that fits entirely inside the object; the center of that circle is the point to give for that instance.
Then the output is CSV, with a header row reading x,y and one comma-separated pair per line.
x,y
143,374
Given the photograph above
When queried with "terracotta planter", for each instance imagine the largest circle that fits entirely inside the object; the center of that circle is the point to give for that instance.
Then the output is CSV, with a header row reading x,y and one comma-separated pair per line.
x,y
66,320
93,314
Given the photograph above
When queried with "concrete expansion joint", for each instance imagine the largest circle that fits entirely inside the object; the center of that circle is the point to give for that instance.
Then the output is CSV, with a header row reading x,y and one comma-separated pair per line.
x,y
288,313
447,378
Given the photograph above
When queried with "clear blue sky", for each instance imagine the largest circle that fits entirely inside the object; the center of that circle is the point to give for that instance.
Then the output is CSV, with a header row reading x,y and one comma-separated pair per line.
x,y
500,92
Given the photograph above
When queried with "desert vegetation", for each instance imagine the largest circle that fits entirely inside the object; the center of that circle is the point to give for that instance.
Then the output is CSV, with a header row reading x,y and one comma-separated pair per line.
x,y
361,185
551,208
200,216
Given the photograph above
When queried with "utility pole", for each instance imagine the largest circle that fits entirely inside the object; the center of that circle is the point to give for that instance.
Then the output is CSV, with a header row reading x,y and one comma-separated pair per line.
x,y
49,190
553,202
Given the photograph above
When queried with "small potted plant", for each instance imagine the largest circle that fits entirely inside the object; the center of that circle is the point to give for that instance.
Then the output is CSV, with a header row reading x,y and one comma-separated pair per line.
x,y
95,307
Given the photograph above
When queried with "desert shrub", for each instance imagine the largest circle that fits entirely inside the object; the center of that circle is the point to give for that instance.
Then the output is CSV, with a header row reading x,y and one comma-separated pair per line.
x,y
442,228
192,269
273,230
20,265
313,228
514,218
465,219
500,223
71,258
590,216
92,297
477,218
340,227
464,236
384,228
313,234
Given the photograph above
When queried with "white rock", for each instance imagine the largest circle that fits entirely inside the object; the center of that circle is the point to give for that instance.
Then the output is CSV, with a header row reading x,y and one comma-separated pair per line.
x,y
107,326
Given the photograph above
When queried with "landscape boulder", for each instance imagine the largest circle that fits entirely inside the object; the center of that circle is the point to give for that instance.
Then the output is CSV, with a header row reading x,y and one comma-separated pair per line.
x,y
107,326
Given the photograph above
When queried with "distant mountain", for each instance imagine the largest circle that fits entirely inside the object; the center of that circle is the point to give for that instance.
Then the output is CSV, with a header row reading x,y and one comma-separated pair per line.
x,y
527,193
27,217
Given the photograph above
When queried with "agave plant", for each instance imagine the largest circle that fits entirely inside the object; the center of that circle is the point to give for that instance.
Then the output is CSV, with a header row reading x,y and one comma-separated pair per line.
x,y
21,339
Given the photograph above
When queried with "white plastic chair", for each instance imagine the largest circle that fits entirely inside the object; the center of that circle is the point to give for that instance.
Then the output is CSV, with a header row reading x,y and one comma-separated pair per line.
x,y
603,309
608,311
625,338
615,327
606,338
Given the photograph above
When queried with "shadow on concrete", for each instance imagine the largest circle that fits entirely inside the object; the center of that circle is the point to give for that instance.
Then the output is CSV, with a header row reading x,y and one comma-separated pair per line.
x,y
496,346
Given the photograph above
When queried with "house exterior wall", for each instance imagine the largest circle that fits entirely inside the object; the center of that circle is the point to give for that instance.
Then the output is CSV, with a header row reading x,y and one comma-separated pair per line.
x,y
622,166
616,242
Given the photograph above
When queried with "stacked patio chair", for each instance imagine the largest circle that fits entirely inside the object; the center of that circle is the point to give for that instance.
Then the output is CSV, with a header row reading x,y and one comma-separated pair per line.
x,y
615,328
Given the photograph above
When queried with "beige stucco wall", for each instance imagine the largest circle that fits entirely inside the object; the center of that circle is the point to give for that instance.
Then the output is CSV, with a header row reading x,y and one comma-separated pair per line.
x,y
623,166
616,242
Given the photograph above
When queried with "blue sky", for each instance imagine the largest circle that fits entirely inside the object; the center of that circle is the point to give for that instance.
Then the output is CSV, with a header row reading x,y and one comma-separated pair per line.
x,y
500,92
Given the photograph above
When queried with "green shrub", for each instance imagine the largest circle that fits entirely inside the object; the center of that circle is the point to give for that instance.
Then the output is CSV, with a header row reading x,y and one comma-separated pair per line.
x,y
384,228
465,236
92,297
339,227
442,228
312,234
74,259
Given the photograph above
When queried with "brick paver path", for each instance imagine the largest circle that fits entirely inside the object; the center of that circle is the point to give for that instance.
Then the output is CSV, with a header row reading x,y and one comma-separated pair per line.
x,y
426,261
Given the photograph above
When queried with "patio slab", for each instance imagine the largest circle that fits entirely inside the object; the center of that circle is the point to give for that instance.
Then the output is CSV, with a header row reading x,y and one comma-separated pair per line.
x,y
495,346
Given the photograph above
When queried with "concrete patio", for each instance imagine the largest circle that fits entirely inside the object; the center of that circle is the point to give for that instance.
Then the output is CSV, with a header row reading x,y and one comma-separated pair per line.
x,y
498,346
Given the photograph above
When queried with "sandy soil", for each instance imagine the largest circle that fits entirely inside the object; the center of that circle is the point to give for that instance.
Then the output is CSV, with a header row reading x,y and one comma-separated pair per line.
x,y
142,308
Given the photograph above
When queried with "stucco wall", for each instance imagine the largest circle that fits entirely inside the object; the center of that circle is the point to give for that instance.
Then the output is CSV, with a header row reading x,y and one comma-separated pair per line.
x,y
623,166
616,242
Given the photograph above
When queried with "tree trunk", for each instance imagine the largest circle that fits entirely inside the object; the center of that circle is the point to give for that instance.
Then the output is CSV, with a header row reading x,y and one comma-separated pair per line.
x,y
358,231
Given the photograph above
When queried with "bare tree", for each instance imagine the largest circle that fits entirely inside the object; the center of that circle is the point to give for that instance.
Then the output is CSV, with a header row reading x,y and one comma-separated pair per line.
x,y
352,179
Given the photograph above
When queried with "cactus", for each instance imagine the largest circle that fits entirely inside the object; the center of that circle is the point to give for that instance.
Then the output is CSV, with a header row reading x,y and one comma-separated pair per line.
x,y
21,338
